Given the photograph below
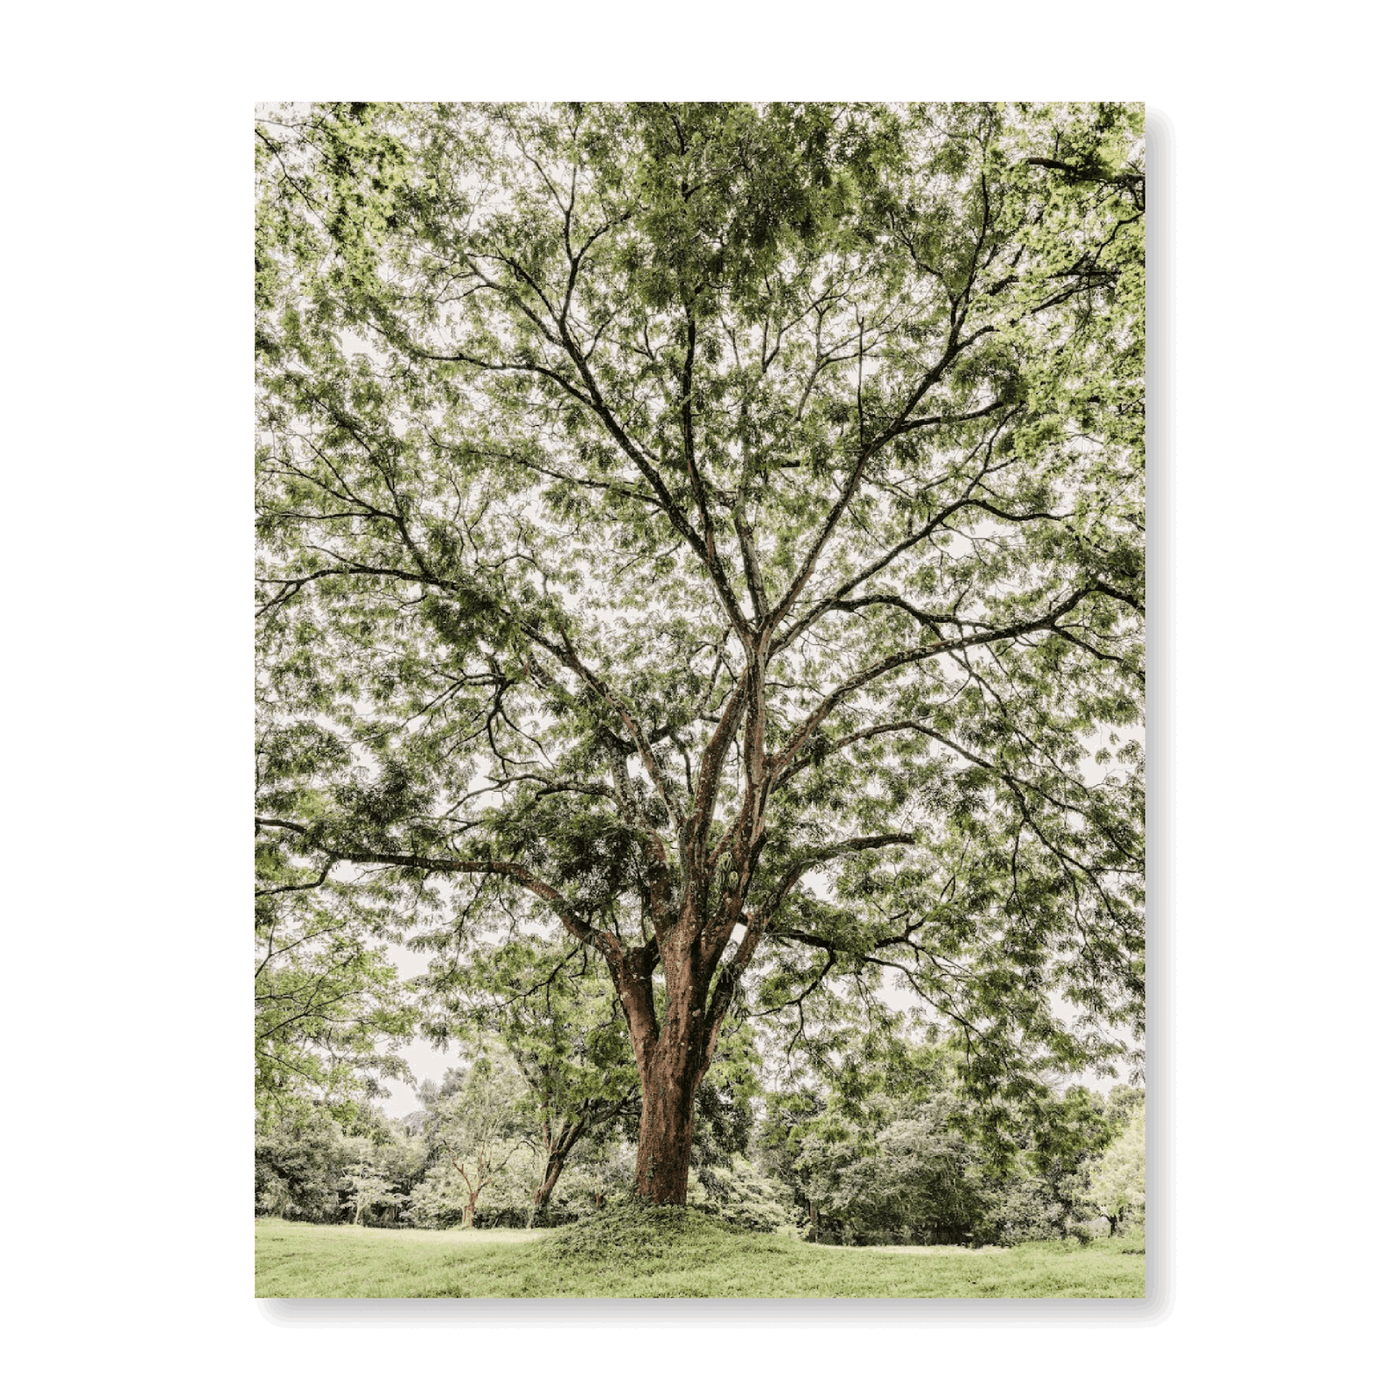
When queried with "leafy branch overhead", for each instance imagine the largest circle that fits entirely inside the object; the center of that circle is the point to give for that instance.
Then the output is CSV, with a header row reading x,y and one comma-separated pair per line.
x,y
718,530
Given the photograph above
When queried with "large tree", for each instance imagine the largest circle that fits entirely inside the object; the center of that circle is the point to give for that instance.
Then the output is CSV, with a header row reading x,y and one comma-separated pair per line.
x,y
717,530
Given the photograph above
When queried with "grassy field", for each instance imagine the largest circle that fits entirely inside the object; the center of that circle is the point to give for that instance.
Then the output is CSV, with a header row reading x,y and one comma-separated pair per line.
x,y
672,1253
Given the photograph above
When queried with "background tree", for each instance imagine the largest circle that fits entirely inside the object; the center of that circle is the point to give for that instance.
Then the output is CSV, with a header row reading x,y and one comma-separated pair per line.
x,y
718,529
477,1122
866,1144
917,1182
1124,1100
556,1013
298,1160
881,1150
322,1162
1118,1179
369,1186
601,1173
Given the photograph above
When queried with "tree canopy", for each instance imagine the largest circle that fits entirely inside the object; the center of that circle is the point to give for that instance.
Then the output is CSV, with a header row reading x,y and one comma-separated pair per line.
x,y
717,531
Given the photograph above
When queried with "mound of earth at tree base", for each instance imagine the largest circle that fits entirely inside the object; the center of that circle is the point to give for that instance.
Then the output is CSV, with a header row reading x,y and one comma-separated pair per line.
x,y
644,1234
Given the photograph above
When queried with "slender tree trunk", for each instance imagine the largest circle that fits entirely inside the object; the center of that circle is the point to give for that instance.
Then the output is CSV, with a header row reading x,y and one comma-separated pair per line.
x,y
469,1209
553,1167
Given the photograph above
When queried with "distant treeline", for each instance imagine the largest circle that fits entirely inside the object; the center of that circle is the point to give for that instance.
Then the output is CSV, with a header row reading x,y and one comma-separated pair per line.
x,y
887,1166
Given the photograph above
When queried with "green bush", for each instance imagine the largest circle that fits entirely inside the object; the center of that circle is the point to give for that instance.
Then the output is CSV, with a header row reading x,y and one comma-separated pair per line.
x,y
297,1163
638,1233
742,1195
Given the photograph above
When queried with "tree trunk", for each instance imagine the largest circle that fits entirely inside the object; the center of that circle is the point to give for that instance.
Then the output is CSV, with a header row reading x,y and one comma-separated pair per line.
x,y
672,1058
553,1167
663,1146
669,1083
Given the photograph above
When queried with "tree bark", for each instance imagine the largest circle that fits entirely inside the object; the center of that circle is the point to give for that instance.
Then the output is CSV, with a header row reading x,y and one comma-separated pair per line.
x,y
671,1058
553,1167
667,1126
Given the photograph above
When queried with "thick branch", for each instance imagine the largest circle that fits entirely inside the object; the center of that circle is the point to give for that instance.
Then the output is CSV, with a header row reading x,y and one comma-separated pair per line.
x,y
603,939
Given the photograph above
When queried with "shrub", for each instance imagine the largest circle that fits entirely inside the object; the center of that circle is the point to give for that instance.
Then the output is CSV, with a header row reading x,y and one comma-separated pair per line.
x,y
637,1233
744,1196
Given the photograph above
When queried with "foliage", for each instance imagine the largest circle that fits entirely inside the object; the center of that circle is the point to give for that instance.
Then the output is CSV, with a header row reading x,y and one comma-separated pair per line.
x,y
718,529
476,1124
1124,1100
725,1101
742,1195
879,1161
600,1175
1020,1207
556,1013
884,1155
369,1187
330,1012
437,1201
914,1187
890,1180
1118,1180
297,1164
311,1164
329,1020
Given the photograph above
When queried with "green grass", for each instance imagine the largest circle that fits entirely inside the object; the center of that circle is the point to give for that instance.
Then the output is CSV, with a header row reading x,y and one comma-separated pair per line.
x,y
670,1253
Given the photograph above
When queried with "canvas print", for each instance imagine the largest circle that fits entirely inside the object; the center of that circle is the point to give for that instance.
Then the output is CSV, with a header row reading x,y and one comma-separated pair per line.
x,y
701,667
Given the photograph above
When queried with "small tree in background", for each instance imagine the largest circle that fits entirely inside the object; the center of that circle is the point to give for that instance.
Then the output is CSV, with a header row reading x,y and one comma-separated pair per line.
x,y
1118,1180
369,1186
478,1123
553,1008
